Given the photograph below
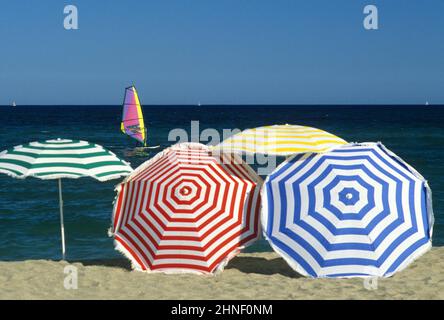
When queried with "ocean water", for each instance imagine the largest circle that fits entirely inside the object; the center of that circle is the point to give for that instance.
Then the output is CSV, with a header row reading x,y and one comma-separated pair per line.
x,y
29,216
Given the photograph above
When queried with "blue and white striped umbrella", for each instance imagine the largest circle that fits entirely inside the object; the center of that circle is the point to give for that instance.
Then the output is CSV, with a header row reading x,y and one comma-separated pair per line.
x,y
356,211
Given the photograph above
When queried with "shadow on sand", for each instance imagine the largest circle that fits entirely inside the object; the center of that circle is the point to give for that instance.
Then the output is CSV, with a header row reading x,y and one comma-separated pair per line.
x,y
262,266
111,263
256,265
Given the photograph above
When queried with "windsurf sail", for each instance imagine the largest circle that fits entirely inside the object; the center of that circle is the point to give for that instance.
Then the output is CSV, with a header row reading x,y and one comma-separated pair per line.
x,y
132,118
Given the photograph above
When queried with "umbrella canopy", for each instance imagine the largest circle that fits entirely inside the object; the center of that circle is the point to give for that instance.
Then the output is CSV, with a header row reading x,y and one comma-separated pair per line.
x,y
186,210
358,210
62,158
281,140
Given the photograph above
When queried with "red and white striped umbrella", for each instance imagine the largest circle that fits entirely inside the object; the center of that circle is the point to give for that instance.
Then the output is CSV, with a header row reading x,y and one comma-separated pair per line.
x,y
187,210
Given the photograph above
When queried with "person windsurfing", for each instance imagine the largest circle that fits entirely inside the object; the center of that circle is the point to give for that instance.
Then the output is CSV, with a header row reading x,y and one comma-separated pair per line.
x,y
133,123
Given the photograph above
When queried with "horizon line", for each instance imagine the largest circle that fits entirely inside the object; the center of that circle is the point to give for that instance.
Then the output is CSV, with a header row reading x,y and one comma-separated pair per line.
x,y
228,105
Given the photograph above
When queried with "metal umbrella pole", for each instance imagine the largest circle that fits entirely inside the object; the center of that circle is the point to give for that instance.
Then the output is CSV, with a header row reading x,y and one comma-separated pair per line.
x,y
62,227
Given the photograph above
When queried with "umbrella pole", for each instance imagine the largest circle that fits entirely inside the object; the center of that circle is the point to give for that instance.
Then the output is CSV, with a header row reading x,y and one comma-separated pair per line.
x,y
62,227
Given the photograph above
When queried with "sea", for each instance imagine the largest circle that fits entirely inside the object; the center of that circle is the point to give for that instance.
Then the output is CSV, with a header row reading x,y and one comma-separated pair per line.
x,y
29,212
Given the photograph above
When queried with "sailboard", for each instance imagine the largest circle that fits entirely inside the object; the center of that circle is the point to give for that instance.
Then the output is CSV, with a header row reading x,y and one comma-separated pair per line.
x,y
133,123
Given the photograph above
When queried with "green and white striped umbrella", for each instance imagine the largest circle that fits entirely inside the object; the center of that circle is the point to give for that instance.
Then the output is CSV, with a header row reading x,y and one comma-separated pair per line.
x,y
62,158
54,159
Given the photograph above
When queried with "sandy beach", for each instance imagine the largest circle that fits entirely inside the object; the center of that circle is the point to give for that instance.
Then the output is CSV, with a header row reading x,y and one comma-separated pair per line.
x,y
248,276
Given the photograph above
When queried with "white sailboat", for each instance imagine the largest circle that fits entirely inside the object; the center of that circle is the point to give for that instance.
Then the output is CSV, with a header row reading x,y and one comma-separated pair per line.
x,y
14,104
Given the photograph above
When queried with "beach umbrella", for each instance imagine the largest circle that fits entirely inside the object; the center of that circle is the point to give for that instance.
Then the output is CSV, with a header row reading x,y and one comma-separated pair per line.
x,y
62,158
186,210
281,140
356,211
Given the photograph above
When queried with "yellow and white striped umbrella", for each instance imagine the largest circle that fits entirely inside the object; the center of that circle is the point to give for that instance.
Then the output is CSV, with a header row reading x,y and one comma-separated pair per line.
x,y
282,140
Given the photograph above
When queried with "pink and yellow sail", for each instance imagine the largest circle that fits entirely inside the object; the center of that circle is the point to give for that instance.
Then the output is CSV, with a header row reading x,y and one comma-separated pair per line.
x,y
132,118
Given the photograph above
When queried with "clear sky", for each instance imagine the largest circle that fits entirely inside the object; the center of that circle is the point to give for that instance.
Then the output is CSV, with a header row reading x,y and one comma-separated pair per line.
x,y
222,51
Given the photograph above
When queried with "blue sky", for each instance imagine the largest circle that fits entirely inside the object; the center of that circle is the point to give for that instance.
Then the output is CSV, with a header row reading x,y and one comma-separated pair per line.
x,y
224,51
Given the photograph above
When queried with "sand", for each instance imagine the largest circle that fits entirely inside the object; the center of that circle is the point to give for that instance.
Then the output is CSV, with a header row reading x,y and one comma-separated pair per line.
x,y
248,276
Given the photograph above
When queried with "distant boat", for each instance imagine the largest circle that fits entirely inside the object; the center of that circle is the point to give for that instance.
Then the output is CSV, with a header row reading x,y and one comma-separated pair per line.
x,y
427,103
14,104
133,123
198,104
